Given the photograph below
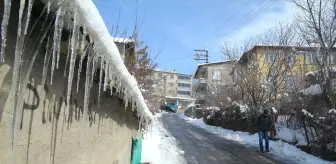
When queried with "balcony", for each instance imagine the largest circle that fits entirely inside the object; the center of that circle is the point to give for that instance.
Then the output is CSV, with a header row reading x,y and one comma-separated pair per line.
x,y
201,86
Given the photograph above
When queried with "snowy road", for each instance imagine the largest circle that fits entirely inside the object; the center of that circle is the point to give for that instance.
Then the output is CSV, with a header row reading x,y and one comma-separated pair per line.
x,y
202,147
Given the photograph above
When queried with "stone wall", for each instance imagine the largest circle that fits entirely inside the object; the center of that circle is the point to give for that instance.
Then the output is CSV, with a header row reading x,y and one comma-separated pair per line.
x,y
54,133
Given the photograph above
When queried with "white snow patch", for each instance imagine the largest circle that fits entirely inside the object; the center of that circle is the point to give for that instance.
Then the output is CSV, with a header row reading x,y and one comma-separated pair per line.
x,y
312,90
278,148
332,111
213,108
306,113
160,147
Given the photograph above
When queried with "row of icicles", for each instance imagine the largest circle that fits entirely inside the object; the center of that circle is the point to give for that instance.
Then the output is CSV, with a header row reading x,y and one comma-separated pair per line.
x,y
22,70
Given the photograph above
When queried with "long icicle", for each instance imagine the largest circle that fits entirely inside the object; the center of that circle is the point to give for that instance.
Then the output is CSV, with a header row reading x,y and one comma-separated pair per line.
x,y
72,57
68,53
21,89
46,61
60,28
30,7
16,69
82,58
106,75
4,24
100,78
56,42
94,62
87,86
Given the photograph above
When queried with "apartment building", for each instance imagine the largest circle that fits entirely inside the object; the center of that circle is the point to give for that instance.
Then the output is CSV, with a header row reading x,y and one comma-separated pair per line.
x,y
173,88
214,84
286,68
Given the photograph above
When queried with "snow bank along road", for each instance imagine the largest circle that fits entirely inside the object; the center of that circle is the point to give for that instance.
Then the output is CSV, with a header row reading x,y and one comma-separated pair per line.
x,y
202,147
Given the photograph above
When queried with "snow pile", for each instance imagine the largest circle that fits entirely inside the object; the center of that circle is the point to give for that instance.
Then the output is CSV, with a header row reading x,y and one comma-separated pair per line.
x,y
306,113
290,135
159,146
332,111
312,90
243,107
278,148
213,108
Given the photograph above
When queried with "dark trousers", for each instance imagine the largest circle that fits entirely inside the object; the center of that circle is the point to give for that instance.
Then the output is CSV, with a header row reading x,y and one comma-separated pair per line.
x,y
263,135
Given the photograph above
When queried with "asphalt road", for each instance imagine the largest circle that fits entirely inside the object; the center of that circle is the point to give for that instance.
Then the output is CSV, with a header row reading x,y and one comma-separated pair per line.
x,y
202,147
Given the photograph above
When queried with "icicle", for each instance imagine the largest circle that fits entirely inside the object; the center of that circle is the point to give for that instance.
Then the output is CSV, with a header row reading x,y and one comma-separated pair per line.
x,y
56,42
80,67
30,7
60,28
87,87
106,75
83,39
49,5
68,53
93,69
100,78
16,73
46,61
4,25
72,57
126,98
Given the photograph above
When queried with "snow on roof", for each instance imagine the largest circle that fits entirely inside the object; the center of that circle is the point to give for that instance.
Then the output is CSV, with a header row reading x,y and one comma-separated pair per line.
x,y
95,26
312,90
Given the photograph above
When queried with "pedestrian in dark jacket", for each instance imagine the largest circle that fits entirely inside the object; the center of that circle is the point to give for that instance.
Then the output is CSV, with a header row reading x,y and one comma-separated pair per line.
x,y
264,123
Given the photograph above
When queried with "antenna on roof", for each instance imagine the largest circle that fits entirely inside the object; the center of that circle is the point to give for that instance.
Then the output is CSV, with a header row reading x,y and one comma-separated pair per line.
x,y
202,53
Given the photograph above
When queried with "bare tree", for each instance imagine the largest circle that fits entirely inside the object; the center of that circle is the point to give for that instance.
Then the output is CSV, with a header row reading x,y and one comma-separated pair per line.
x,y
317,25
262,82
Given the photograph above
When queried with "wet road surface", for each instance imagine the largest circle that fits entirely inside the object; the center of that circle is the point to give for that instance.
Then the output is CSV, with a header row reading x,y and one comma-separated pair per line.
x,y
202,147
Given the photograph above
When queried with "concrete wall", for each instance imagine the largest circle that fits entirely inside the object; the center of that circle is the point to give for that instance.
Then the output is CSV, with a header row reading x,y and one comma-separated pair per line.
x,y
53,133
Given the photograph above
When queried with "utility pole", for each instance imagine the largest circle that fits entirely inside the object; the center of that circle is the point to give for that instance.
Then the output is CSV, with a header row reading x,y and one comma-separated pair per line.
x,y
202,53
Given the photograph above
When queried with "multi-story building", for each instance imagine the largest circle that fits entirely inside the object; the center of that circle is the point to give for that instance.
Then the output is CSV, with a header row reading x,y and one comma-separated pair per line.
x,y
214,83
282,67
173,88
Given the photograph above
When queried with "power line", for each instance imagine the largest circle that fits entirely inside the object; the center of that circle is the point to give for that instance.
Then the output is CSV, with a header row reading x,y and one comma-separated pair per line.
x,y
176,59
252,16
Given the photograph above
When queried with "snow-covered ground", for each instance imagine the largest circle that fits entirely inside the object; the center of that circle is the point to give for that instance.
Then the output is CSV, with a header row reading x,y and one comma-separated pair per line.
x,y
160,147
278,148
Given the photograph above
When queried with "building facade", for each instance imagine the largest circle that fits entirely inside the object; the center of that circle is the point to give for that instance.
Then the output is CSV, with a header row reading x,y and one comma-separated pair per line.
x,y
283,68
173,88
215,84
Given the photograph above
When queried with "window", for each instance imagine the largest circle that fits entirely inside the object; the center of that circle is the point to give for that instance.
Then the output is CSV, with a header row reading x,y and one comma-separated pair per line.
x,y
183,85
186,93
290,82
311,58
216,75
171,92
270,57
181,77
291,59
171,76
171,84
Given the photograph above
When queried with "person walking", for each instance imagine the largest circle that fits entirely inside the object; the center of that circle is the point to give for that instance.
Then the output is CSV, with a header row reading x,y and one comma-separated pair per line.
x,y
264,123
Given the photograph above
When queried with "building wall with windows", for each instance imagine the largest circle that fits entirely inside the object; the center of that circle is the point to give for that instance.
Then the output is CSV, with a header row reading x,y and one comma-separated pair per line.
x,y
184,85
295,62
215,84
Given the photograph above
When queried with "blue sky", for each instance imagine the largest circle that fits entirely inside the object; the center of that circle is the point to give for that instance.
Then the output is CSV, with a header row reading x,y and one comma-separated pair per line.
x,y
172,29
